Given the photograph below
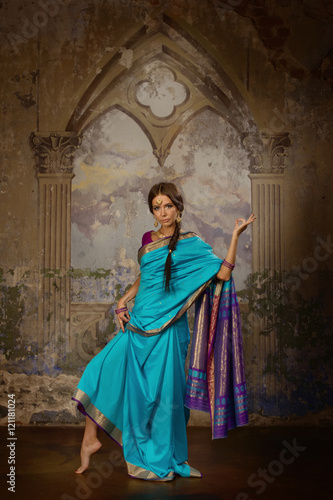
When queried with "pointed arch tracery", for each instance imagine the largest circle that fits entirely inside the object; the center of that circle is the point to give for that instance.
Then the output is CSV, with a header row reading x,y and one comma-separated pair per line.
x,y
161,45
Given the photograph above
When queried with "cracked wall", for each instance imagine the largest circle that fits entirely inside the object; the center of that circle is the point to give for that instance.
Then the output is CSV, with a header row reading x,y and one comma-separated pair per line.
x,y
281,53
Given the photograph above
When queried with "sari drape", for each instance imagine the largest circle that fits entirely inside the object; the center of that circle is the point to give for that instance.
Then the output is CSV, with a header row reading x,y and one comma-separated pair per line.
x,y
216,378
135,388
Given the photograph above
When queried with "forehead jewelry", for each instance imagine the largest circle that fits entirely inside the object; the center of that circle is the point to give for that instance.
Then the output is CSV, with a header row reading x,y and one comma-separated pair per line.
x,y
159,199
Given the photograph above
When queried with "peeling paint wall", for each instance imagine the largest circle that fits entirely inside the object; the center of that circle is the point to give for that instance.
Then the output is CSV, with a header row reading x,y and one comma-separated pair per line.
x,y
275,74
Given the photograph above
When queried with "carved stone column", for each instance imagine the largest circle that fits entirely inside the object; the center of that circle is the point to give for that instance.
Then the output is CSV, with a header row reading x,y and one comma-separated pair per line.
x,y
268,233
54,154
267,155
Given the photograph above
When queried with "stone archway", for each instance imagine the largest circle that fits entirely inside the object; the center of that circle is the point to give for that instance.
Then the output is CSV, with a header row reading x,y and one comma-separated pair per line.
x,y
160,45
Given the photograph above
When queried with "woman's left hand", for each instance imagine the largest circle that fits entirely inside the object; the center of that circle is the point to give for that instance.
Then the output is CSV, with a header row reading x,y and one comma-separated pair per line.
x,y
239,228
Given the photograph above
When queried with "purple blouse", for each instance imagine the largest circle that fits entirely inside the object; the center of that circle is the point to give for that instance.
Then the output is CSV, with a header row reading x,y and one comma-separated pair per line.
x,y
146,238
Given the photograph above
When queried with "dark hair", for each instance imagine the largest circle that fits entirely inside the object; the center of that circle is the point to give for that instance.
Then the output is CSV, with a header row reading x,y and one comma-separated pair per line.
x,y
170,190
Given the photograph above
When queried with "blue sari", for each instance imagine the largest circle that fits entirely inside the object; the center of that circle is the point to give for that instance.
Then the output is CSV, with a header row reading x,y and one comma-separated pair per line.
x,y
135,388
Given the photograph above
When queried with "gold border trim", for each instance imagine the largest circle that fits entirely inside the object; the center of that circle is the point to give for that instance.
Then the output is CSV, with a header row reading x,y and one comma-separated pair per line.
x,y
155,245
193,472
140,473
97,416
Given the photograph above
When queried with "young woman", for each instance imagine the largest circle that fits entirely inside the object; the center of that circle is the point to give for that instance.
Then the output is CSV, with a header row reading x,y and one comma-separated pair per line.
x,y
135,388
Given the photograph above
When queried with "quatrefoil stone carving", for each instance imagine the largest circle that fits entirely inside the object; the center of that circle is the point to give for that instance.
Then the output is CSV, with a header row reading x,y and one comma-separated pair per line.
x,y
161,92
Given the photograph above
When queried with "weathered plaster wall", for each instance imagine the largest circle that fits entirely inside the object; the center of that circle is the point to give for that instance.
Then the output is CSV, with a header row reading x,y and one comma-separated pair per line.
x,y
113,172
278,56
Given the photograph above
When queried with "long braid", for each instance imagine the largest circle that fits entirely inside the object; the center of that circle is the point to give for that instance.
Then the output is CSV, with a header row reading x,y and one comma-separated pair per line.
x,y
172,246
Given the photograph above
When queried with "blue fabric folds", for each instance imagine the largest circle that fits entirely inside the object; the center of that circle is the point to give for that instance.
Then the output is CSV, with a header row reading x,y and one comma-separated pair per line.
x,y
193,265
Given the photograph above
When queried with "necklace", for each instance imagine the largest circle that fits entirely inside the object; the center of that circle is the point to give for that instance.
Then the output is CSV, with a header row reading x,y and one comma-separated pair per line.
x,y
159,234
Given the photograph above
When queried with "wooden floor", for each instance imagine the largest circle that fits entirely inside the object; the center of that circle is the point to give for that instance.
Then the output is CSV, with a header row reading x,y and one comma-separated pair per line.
x,y
252,463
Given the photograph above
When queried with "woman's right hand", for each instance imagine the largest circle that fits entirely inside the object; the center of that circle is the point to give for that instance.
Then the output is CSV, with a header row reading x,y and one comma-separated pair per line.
x,y
123,317
239,228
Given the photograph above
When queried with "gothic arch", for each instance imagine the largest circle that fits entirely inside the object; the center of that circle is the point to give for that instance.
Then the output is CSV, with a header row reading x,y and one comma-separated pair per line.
x,y
161,42
173,41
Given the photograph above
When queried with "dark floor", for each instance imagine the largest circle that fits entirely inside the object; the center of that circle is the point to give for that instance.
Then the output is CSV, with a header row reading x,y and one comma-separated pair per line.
x,y
273,463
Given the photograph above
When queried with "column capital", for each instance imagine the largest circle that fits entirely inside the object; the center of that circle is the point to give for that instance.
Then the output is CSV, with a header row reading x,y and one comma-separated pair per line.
x,y
54,151
267,152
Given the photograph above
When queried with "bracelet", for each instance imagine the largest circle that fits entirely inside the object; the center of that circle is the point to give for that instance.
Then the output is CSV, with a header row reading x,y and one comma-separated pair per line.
x,y
227,264
121,309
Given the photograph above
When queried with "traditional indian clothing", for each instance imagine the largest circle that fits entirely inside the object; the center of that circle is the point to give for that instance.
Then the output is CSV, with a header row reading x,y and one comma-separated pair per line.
x,y
135,388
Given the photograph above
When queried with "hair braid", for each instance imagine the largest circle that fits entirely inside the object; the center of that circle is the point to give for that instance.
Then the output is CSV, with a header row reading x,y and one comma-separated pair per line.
x,y
172,246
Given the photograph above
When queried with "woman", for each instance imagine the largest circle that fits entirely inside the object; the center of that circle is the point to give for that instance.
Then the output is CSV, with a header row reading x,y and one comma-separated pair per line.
x,y
135,388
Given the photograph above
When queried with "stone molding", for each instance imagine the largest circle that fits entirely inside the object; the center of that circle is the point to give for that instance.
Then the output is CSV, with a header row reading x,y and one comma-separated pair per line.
x,y
161,155
54,151
267,153
84,320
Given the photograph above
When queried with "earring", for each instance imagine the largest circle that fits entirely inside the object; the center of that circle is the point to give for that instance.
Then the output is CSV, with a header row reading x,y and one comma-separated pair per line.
x,y
155,223
179,217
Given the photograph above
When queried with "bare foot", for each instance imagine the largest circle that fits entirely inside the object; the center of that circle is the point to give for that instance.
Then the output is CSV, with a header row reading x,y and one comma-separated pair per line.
x,y
87,449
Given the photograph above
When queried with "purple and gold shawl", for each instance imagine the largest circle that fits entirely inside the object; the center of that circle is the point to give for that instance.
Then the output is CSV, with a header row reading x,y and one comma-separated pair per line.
x,y
216,378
